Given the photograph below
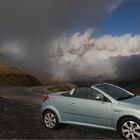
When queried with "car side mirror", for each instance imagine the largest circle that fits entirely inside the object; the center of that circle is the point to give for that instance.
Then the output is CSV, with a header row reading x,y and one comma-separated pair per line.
x,y
99,97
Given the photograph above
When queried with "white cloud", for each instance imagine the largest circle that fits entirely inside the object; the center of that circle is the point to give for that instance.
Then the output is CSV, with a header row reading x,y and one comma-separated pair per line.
x,y
85,55
114,6
13,48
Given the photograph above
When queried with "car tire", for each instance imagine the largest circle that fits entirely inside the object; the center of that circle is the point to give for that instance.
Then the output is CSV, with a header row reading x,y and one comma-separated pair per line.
x,y
50,120
129,128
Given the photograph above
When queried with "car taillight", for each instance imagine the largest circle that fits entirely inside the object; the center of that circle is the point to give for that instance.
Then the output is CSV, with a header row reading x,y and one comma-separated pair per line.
x,y
45,98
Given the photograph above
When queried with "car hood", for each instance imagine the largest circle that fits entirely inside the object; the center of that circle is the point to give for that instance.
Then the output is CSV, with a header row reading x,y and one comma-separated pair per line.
x,y
132,101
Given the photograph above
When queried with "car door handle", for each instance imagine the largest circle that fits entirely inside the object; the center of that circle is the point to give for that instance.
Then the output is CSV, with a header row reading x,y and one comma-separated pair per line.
x,y
117,110
71,103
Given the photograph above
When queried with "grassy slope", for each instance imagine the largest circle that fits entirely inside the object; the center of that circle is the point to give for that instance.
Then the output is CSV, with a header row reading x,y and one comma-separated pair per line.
x,y
9,70
11,76
59,84
11,73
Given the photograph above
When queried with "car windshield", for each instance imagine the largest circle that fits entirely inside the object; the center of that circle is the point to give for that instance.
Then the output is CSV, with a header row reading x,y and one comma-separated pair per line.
x,y
115,91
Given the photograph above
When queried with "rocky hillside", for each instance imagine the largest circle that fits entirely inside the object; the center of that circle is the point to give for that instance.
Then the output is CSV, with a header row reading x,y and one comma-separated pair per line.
x,y
12,74
18,80
58,84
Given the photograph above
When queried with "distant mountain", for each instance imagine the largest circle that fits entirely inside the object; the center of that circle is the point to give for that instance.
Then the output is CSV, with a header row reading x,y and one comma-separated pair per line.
x,y
4,61
51,79
13,74
9,70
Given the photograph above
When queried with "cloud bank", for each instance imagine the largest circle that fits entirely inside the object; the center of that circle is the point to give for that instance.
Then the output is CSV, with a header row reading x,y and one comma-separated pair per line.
x,y
105,57
37,22
36,33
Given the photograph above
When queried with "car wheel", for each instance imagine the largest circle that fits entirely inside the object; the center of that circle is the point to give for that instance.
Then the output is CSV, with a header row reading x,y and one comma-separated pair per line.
x,y
129,128
50,120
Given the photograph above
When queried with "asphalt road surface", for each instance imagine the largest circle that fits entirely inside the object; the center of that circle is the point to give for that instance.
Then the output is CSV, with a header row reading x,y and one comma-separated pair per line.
x,y
31,95
21,118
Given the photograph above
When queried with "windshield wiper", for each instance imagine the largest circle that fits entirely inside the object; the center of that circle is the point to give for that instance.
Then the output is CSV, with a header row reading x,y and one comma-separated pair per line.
x,y
127,97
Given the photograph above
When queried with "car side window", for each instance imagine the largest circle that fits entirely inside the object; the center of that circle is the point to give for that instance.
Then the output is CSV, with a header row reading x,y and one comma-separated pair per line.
x,y
87,93
84,93
79,93
97,93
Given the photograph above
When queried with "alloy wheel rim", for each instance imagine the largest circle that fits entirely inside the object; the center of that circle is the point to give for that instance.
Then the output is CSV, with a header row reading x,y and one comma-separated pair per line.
x,y
131,130
50,120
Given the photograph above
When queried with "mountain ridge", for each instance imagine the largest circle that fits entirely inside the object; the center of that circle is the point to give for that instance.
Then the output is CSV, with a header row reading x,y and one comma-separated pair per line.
x,y
11,69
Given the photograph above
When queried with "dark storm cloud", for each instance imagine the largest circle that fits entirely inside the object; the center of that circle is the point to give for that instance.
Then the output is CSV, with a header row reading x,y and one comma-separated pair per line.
x,y
28,27
32,19
128,68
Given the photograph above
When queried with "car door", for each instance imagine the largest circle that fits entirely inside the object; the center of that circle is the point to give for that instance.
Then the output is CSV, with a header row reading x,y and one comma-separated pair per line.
x,y
84,108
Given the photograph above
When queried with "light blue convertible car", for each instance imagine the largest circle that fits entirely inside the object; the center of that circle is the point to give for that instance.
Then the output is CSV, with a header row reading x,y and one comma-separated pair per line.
x,y
103,106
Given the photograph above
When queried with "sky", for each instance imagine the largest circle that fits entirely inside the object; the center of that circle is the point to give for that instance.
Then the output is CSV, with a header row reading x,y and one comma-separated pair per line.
x,y
125,19
73,39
